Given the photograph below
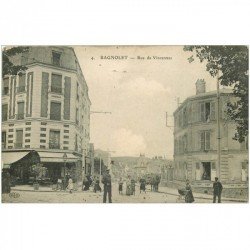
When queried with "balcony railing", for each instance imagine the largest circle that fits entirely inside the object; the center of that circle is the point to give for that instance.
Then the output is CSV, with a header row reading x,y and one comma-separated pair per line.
x,y
18,145
20,89
20,116
54,146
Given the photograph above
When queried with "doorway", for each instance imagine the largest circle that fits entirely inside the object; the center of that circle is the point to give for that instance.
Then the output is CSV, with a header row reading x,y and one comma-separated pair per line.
x,y
206,168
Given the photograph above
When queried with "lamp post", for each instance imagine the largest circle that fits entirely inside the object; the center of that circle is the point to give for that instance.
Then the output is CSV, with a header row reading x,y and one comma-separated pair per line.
x,y
64,170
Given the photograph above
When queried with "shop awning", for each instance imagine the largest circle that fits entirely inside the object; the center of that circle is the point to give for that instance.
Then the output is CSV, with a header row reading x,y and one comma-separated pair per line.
x,y
57,157
12,157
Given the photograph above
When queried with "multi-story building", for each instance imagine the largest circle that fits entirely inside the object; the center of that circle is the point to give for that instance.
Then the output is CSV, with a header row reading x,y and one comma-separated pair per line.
x,y
47,109
196,142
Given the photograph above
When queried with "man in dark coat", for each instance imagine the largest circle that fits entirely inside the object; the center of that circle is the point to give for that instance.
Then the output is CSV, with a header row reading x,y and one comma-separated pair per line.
x,y
217,186
106,180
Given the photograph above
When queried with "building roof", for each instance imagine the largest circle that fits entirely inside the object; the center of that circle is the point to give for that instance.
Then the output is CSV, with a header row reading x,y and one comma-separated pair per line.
x,y
213,93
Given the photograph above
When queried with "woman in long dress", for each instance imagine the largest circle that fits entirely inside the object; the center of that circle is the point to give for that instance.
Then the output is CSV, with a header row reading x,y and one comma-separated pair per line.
x,y
189,198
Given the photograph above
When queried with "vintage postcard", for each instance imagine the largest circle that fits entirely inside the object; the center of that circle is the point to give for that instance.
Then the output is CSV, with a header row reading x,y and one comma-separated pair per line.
x,y
124,124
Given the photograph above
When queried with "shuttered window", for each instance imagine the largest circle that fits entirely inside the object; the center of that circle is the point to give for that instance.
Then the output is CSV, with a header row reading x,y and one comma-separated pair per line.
x,y
55,111
202,112
56,83
5,90
4,112
212,111
21,87
205,140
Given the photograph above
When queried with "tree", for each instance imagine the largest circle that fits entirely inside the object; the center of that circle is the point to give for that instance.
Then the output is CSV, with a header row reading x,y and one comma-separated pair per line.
x,y
231,62
8,67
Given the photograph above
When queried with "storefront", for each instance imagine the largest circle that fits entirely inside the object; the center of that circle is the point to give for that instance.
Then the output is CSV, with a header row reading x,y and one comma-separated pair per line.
x,y
19,165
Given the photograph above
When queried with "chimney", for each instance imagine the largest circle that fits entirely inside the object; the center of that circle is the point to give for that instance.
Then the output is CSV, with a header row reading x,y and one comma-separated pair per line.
x,y
200,86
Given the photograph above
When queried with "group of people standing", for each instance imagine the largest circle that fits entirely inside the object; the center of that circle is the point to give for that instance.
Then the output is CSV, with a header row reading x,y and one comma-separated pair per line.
x,y
217,190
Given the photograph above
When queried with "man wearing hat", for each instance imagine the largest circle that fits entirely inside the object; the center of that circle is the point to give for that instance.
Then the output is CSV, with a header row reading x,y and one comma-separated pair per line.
x,y
106,180
217,186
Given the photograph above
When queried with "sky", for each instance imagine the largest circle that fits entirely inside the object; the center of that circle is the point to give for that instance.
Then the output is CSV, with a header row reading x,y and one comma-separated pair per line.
x,y
138,93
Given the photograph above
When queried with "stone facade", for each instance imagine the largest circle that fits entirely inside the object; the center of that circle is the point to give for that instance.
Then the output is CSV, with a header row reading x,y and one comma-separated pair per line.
x,y
48,104
196,143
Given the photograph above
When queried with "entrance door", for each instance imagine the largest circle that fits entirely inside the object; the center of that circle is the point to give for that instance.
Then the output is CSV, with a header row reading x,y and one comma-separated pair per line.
x,y
206,171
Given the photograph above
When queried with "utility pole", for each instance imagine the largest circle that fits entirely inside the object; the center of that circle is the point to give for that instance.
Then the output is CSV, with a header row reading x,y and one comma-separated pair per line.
x,y
218,126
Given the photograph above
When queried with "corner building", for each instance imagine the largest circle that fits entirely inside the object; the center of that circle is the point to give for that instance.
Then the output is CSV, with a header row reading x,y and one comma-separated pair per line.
x,y
47,109
196,144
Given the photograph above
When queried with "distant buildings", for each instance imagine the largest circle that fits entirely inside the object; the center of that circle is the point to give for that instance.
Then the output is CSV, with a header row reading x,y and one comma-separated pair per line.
x,y
47,110
196,143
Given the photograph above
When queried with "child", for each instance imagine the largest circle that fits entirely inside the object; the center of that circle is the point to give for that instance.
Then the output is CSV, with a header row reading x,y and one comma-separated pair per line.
x,y
70,185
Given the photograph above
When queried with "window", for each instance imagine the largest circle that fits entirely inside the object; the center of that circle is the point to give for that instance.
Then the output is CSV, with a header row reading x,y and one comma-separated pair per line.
x,y
77,116
66,131
244,175
56,83
5,90
207,111
43,123
42,146
27,146
65,148
21,87
4,112
244,145
28,123
205,140
55,111
43,141
65,142
185,117
19,138
185,143
10,136
66,137
20,110
43,129
54,139
77,91
27,140
3,139
11,130
27,135
28,129
56,58
42,135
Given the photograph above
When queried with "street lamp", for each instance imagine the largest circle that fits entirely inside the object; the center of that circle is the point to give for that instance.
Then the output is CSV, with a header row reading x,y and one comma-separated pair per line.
x,y
64,171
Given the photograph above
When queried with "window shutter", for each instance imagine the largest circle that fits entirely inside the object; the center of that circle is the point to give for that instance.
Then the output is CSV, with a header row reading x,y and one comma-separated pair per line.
x,y
202,112
207,139
22,78
212,111
202,140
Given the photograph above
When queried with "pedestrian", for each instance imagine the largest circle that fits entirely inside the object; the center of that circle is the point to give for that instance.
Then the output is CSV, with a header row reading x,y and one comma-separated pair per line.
x,y
132,186
85,183
120,185
59,184
142,185
97,184
189,198
157,182
5,182
128,186
70,186
106,180
217,186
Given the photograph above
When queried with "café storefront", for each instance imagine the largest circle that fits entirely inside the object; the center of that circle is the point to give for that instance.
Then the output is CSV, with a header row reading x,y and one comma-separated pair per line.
x,y
54,166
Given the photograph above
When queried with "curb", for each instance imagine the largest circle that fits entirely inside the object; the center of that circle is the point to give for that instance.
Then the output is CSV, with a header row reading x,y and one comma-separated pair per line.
x,y
207,198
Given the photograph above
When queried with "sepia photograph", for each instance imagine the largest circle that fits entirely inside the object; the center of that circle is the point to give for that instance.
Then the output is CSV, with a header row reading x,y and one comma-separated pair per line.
x,y
125,124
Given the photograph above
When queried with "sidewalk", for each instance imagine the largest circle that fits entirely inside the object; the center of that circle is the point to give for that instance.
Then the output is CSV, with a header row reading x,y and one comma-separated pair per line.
x,y
166,190
173,191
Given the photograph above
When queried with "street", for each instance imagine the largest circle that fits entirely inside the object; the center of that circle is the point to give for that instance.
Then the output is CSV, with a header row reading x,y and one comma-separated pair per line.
x,y
165,195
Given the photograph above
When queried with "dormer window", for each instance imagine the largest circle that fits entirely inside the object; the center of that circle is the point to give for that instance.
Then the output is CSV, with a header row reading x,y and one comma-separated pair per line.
x,y
56,58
